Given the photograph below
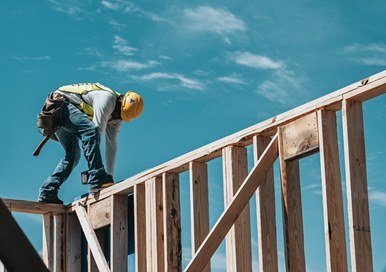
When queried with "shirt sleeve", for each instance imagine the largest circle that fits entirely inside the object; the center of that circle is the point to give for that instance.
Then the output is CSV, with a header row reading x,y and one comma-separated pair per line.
x,y
112,131
103,106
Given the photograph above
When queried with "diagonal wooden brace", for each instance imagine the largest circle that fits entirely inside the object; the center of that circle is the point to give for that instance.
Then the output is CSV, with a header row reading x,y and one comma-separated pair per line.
x,y
91,238
229,216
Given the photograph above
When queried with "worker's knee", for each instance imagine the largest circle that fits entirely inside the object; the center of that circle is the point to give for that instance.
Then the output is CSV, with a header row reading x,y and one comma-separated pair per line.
x,y
73,154
92,134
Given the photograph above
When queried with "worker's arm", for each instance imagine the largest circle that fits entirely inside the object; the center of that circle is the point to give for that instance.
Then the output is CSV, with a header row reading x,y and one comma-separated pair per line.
x,y
103,105
112,131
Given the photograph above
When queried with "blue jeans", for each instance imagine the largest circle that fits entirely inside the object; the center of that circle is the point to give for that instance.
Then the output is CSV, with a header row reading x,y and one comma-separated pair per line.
x,y
76,126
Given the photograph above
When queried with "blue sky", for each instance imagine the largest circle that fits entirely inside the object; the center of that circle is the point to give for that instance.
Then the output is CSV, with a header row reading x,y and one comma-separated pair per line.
x,y
205,69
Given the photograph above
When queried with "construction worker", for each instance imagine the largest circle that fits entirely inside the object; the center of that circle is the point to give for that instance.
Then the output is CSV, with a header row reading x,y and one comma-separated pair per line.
x,y
89,111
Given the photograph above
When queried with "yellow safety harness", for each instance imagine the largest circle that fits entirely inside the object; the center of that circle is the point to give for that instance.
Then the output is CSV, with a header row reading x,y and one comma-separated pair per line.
x,y
84,88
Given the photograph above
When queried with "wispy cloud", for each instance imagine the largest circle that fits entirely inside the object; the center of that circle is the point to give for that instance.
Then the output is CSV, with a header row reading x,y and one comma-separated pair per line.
x,y
284,87
116,25
371,61
181,79
70,7
91,51
110,4
256,61
165,57
372,54
378,197
232,79
128,65
371,47
121,45
131,8
218,21
37,58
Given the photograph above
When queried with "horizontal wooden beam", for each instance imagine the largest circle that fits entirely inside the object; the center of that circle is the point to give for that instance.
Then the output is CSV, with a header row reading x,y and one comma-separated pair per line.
x,y
256,177
331,101
25,206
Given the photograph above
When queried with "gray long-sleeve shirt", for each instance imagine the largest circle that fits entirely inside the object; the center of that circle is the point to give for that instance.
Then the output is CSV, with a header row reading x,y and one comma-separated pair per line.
x,y
103,103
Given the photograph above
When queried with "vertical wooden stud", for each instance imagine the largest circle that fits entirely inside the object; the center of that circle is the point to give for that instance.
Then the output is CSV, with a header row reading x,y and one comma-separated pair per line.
x,y
154,225
73,243
199,205
292,212
59,242
119,233
357,191
266,214
336,256
48,240
238,240
140,227
172,222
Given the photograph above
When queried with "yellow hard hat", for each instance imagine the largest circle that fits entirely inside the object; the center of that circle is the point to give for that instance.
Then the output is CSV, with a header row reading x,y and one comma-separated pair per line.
x,y
132,106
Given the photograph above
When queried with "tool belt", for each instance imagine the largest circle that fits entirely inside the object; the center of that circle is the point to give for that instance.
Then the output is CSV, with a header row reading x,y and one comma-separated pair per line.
x,y
50,119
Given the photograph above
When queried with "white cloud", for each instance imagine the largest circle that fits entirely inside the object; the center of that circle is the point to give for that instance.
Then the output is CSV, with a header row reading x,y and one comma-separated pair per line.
x,y
38,58
377,197
183,80
371,47
131,8
165,57
371,61
128,65
121,45
91,51
219,262
372,54
116,25
208,19
232,79
256,61
70,7
110,5
285,87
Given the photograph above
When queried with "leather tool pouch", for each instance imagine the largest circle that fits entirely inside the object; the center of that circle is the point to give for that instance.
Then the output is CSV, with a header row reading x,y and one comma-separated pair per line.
x,y
50,118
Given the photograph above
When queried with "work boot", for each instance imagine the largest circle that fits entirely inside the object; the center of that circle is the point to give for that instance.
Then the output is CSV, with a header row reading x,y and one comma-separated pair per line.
x,y
55,200
100,187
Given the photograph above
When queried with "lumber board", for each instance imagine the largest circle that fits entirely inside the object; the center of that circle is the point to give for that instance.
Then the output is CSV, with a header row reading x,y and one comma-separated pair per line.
x,y
91,264
73,245
59,242
292,212
48,240
334,232
25,206
140,227
100,213
244,137
119,233
154,225
356,183
92,239
300,137
199,205
230,214
172,222
266,213
15,246
238,240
